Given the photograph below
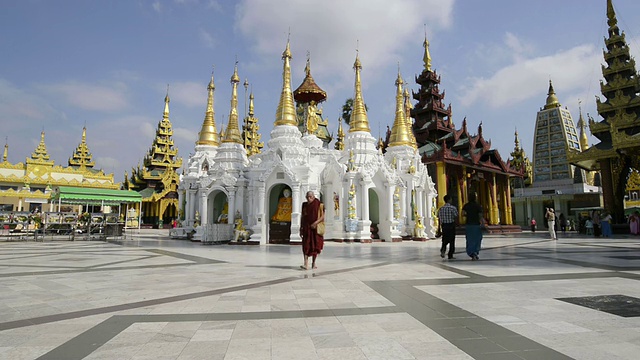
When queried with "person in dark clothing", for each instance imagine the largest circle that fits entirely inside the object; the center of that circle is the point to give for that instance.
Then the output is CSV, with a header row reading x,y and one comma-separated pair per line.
x,y
312,242
448,220
473,231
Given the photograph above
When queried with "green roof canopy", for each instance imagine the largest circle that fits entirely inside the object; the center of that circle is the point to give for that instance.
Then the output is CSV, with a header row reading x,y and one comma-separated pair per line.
x,y
93,196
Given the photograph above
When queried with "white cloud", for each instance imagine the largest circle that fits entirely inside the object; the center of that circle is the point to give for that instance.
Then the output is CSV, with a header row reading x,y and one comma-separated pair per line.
x,y
89,96
157,6
186,135
332,30
207,39
16,103
190,94
527,78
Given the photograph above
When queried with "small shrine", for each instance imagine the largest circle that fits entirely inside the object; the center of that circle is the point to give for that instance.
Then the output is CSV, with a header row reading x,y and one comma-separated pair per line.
x,y
308,97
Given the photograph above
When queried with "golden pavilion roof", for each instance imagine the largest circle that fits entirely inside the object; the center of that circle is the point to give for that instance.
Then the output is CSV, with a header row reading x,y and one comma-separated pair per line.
x,y
309,91
40,155
82,156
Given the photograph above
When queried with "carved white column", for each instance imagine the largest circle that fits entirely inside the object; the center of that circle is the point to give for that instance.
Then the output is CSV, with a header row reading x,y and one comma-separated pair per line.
x,y
295,213
390,190
365,201
232,207
204,219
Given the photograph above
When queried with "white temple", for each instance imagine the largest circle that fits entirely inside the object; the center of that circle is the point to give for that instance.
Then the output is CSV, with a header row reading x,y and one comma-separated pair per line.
x,y
367,194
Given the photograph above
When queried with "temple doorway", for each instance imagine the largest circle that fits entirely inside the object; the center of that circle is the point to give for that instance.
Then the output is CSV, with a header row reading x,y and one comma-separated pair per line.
x,y
219,208
280,209
374,213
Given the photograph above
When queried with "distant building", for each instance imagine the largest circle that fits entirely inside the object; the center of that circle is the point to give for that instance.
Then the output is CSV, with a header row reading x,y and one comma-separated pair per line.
x,y
30,185
556,183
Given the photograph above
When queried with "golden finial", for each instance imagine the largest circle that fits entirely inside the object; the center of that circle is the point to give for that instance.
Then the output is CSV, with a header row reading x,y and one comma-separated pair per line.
x,y
552,99
6,149
232,133
286,113
399,131
165,114
359,120
427,57
611,14
340,136
208,134
582,124
40,155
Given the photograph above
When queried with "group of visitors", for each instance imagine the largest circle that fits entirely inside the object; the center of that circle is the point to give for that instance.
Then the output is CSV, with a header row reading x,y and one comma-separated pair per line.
x,y
448,221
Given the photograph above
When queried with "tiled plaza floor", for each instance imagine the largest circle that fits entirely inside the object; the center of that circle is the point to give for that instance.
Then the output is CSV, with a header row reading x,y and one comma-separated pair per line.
x,y
149,297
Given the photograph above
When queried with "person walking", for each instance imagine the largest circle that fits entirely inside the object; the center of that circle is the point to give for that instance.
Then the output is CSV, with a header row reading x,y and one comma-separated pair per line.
x,y
551,222
473,231
533,225
312,242
634,223
605,223
448,220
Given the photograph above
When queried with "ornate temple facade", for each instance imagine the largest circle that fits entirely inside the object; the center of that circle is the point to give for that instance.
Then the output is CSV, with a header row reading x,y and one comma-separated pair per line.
x,y
157,180
616,153
28,186
459,161
554,182
367,194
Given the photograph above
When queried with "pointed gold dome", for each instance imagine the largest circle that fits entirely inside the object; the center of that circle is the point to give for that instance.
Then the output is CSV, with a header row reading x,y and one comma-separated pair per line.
x,y
399,131
208,134
165,113
5,154
552,99
286,113
340,136
359,120
233,131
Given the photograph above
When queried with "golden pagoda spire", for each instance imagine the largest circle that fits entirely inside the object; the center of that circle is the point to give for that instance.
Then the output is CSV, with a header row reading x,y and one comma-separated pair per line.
x,y
233,131
40,155
5,154
427,57
359,120
165,114
286,113
82,156
552,99
340,136
584,141
408,107
254,145
399,131
208,134
612,21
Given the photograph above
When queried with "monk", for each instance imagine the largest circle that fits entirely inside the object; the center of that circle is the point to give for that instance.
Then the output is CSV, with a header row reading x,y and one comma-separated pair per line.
x,y
312,243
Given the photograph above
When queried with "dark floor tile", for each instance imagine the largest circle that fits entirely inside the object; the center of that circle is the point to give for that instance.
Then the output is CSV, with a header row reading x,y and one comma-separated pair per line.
x,y
621,305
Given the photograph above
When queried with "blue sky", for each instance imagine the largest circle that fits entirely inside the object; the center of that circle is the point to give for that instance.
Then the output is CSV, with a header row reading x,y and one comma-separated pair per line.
x,y
106,64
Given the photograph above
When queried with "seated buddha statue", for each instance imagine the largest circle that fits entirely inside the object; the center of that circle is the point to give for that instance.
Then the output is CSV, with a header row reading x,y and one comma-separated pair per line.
x,y
224,215
283,213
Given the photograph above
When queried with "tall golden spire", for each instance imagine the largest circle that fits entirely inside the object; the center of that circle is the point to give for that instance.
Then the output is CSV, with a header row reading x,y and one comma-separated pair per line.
x,y
408,107
5,154
584,141
427,57
40,155
165,114
340,136
286,113
552,99
208,134
359,120
252,136
82,156
399,131
233,131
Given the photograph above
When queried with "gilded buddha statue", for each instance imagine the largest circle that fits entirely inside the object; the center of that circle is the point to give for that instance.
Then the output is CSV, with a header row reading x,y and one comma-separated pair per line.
x,y
283,213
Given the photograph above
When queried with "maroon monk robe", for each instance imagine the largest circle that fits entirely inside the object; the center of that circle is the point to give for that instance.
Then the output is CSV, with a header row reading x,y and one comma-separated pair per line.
x,y
312,243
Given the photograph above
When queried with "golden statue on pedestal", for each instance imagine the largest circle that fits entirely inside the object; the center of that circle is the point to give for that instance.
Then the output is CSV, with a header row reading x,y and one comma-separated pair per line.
x,y
283,213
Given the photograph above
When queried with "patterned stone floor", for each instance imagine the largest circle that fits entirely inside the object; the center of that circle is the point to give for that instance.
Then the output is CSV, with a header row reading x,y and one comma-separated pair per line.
x,y
150,297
